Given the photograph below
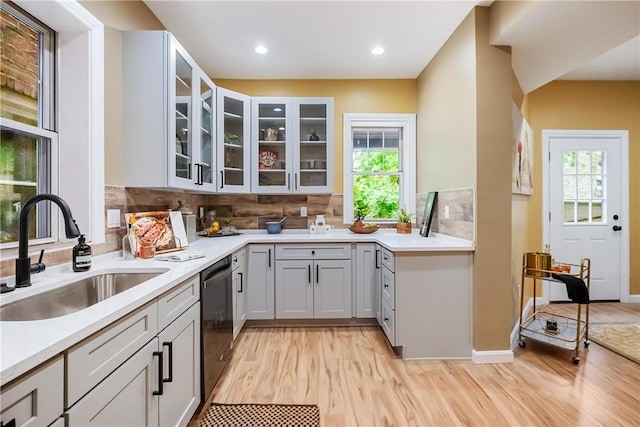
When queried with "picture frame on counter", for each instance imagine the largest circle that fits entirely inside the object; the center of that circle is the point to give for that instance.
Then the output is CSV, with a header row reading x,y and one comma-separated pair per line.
x,y
429,208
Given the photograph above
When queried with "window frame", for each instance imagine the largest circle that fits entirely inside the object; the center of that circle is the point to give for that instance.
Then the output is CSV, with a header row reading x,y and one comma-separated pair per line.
x,y
407,161
79,102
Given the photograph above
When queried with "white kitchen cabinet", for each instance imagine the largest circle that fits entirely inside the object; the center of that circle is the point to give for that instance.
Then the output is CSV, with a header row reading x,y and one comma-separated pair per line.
x,y
260,282
307,289
292,145
378,283
135,377
35,399
313,281
234,142
367,294
168,115
128,397
180,345
239,296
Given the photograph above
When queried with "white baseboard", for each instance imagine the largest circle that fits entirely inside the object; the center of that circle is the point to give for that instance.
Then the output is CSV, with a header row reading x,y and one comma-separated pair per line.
x,y
633,298
493,356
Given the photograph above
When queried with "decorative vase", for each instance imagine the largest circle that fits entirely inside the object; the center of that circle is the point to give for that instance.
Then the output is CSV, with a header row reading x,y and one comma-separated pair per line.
x,y
314,137
404,227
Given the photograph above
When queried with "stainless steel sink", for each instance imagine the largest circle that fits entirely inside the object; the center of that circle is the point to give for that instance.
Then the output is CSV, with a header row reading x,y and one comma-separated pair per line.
x,y
73,297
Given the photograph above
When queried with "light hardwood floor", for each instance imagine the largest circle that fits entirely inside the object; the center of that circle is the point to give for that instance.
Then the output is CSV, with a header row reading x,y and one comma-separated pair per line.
x,y
354,378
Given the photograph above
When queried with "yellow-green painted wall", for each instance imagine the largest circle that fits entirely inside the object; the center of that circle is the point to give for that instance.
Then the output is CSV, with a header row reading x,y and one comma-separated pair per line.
x,y
349,96
589,105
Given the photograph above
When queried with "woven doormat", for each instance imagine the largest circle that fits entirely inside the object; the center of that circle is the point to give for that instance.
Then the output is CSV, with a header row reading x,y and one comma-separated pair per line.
x,y
259,415
622,338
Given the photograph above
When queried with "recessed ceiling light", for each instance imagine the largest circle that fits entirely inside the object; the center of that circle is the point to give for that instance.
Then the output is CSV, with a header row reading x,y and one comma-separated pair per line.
x,y
261,50
378,50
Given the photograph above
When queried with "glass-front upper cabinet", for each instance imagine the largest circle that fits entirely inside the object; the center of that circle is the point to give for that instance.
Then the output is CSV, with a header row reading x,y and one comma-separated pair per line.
x,y
165,141
292,145
183,158
234,111
204,165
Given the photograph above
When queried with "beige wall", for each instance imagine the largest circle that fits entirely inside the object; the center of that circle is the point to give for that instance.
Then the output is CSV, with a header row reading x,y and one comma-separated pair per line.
x,y
446,127
464,133
117,16
589,105
350,96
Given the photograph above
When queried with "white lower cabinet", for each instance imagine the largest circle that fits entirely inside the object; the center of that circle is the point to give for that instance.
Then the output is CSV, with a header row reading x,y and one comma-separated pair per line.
x,y
239,289
126,397
153,384
367,292
34,399
260,282
317,287
180,345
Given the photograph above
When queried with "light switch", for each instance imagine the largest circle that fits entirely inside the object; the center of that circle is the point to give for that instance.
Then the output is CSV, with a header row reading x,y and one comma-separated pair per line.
x,y
446,212
113,218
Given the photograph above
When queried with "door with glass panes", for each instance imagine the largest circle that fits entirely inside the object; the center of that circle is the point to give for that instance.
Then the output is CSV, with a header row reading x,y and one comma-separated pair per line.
x,y
234,141
204,172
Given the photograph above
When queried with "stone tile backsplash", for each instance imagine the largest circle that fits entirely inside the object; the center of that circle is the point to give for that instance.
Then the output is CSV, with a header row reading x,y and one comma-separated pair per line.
x,y
461,213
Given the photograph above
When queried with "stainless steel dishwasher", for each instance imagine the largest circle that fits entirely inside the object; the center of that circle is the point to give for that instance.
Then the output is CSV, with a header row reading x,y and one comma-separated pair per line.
x,y
217,322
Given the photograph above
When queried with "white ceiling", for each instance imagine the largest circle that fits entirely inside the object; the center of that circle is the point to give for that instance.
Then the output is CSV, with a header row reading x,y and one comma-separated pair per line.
x,y
333,39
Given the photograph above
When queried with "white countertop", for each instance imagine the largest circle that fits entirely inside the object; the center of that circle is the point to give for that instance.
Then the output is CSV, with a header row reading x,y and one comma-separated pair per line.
x,y
26,344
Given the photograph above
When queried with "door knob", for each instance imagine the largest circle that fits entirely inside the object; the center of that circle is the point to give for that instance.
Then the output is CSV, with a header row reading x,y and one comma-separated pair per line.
x,y
617,228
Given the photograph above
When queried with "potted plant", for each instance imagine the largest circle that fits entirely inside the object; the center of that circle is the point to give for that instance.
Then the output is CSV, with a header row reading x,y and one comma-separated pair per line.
x,y
227,228
360,211
404,222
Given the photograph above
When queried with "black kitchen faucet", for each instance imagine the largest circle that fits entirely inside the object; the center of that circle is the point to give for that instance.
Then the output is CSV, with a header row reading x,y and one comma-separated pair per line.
x,y
24,268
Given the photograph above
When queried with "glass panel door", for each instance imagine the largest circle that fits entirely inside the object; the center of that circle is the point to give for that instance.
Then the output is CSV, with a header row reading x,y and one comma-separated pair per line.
x,y
183,85
272,148
313,145
234,140
206,133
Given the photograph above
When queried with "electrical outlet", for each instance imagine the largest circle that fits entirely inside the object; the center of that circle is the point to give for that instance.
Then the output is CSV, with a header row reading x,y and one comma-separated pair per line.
x,y
113,218
446,212
303,211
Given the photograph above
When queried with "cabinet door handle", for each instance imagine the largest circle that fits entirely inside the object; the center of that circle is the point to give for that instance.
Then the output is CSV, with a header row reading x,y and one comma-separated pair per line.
x,y
240,277
309,272
317,273
295,180
377,258
288,181
269,258
201,177
160,390
170,345
221,179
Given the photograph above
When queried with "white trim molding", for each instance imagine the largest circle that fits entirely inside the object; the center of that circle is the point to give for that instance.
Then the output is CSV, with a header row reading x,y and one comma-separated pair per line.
x,y
492,356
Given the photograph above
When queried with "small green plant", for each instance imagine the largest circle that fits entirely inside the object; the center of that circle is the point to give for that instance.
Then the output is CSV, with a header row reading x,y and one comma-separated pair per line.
x,y
313,132
226,222
360,210
404,216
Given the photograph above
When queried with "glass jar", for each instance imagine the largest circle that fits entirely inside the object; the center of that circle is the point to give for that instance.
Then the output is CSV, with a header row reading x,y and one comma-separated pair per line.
x,y
147,249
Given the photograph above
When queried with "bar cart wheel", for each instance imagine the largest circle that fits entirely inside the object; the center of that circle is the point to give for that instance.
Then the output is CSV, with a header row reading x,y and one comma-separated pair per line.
x,y
576,360
522,344
586,343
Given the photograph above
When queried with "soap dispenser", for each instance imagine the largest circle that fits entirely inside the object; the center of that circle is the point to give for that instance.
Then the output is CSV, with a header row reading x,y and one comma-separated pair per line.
x,y
81,255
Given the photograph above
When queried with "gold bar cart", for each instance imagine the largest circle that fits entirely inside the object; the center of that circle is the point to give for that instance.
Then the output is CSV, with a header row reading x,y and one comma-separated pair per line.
x,y
543,325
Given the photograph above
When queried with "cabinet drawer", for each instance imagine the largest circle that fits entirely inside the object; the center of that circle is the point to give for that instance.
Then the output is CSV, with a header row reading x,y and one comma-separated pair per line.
x,y
35,399
173,303
318,251
90,361
388,259
238,260
389,322
388,287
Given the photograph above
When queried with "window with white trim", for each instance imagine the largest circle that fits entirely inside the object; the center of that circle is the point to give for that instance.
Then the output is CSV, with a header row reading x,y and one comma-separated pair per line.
x,y
27,138
379,165
72,138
